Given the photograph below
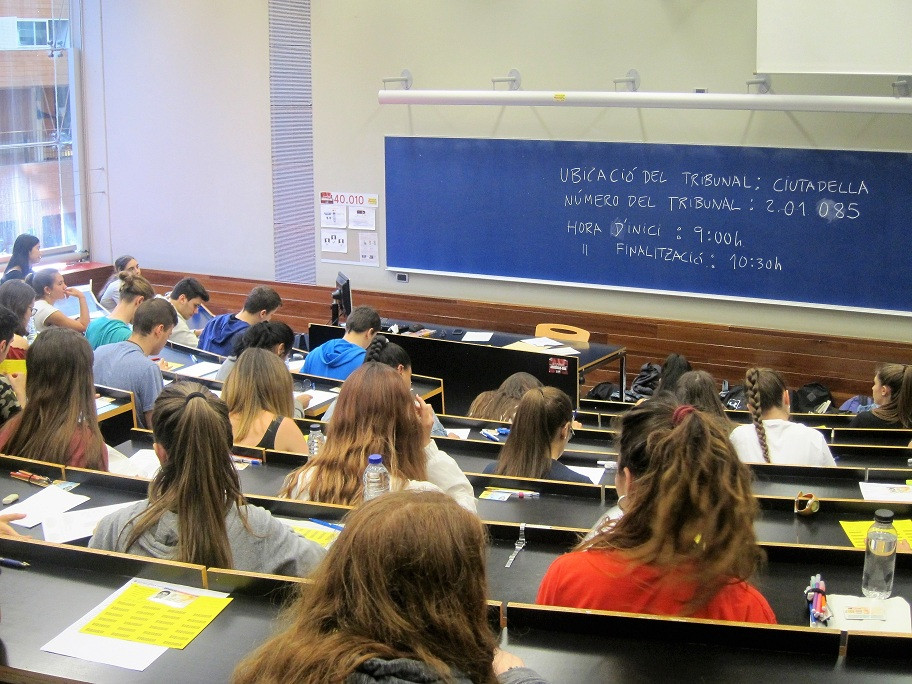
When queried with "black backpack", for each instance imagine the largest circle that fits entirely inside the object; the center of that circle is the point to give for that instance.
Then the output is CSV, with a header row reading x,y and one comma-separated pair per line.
x,y
605,390
734,398
644,385
809,397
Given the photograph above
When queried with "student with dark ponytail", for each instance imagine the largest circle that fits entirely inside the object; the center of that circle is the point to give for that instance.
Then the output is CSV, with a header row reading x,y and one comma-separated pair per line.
x,y
892,392
773,438
110,292
539,434
26,252
685,544
195,512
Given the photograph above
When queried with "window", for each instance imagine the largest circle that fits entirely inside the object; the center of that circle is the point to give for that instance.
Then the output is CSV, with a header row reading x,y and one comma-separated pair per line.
x,y
37,174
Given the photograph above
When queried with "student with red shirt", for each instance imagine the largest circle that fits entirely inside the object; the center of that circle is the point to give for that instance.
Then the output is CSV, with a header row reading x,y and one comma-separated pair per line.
x,y
685,544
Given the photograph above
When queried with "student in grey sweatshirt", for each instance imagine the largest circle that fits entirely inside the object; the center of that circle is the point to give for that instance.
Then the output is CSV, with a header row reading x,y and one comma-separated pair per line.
x,y
195,511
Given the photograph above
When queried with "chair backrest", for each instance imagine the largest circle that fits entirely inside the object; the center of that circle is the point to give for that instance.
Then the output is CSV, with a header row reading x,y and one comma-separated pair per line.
x,y
560,331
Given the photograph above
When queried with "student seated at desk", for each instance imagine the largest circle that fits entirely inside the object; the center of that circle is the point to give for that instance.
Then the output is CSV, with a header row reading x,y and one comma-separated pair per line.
x,y
539,434
376,414
500,404
19,297
673,367
773,438
26,253
50,288
685,544
126,365
391,354
218,335
195,512
400,598
115,327
275,336
12,385
110,291
59,423
698,388
258,394
892,393
186,297
340,358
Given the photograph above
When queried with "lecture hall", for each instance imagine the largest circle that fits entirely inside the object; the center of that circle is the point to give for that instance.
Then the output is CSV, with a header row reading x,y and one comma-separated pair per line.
x,y
440,189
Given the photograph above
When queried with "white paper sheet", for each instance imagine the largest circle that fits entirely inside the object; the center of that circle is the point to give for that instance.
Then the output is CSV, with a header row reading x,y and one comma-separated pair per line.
x,y
131,655
296,365
476,336
199,370
896,613
462,433
542,342
144,463
594,474
333,216
563,351
44,503
75,525
334,240
898,493
317,397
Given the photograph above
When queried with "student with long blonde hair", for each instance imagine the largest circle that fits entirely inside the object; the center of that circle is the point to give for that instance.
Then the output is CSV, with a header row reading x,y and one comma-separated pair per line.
x,y
541,429
115,327
259,397
376,414
59,422
685,544
892,392
772,437
195,512
399,598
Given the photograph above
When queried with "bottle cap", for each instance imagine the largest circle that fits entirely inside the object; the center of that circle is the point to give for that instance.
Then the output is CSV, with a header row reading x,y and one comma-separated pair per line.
x,y
883,515
314,428
377,459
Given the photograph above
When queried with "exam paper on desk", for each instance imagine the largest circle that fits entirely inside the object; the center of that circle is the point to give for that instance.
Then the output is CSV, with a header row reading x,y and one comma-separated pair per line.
x,y
74,525
43,504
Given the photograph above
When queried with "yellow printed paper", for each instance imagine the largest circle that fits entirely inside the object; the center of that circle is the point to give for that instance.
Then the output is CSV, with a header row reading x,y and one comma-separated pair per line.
x,y
172,365
323,538
152,615
857,530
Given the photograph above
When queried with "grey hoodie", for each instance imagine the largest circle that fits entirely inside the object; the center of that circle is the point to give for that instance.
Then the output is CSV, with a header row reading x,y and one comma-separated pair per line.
x,y
268,546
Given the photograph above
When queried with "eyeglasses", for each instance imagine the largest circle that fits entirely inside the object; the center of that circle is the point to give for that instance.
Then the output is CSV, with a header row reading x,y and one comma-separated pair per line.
x,y
571,433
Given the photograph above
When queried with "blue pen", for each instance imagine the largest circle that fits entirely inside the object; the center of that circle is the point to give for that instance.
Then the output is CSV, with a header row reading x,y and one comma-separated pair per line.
x,y
10,563
243,459
326,524
194,359
489,435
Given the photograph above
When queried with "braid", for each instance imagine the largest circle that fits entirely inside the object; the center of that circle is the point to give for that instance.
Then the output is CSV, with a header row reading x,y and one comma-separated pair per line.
x,y
375,348
751,383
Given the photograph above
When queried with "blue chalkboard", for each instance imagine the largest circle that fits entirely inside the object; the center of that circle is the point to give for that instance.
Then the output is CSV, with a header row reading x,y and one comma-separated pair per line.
x,y
819,227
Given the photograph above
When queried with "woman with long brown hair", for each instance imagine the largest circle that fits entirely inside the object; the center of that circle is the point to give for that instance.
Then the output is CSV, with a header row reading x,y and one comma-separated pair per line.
x,y
259,397
892,392
685,544
59,423
400,597
772,437
377,414
500,404
195,512
698,388
541,429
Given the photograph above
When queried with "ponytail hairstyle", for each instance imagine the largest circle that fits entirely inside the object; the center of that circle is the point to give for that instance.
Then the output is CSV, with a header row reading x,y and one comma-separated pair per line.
x,y
691,512
198,481
764,388
41,280
258,382
541,414
265,335
698,388
500,404
388,353
674,366
898,377
19,258
61,402
405,579
133,286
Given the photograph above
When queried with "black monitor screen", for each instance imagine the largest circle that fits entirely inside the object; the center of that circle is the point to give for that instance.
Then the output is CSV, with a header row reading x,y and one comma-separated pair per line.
x,y
343,294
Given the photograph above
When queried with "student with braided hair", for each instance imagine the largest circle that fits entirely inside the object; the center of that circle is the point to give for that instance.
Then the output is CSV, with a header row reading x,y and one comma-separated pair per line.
x,y
195,512
773,438
685,544
892,393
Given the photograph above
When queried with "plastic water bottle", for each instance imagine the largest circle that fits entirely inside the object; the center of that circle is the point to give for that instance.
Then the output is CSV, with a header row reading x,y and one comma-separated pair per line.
x,y
880,556
314,440
376,478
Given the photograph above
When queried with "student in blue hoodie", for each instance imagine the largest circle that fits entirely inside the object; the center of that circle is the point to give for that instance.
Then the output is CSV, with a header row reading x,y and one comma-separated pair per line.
x,y
219,333
340,358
